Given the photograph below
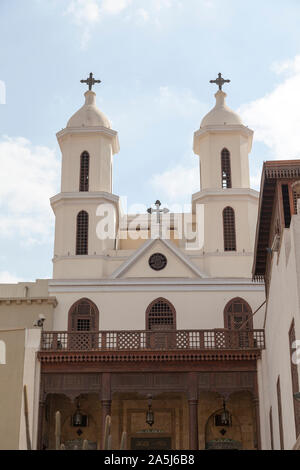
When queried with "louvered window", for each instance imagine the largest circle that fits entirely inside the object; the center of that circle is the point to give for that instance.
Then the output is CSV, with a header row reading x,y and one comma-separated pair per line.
x,y
83,316
84,171
82,233
161,314
229,229
226,169
236,313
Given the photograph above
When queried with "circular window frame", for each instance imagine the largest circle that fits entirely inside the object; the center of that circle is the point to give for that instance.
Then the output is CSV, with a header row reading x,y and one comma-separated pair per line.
x,y
158,261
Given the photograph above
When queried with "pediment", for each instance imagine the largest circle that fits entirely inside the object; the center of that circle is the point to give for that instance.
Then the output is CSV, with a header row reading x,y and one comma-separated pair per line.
x,y
178,264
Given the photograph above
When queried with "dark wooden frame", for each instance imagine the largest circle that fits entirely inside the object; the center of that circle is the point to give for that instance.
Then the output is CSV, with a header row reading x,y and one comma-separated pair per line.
x,y
280,421
72,312
84,172
229,232
249,325
80,233
148,311
226,168
271,428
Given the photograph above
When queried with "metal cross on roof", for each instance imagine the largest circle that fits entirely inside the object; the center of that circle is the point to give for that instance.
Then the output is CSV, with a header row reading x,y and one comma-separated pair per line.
x,y
90,81
219,81
158,211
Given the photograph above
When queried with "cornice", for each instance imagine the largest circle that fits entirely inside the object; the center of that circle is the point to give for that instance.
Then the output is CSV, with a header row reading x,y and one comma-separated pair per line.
x,y
83,196
148,356
226,194
154,284
100,130
28,300
224,129
146,246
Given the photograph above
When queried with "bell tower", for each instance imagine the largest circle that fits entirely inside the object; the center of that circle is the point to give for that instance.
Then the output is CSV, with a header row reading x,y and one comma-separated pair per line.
x,y
223,144
87,144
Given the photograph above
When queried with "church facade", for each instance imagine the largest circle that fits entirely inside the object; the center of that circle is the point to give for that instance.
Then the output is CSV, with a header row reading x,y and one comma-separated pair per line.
x,y
153,319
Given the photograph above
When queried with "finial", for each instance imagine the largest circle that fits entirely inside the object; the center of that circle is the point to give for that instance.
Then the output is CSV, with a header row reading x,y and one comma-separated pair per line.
x,y
90,81
219,81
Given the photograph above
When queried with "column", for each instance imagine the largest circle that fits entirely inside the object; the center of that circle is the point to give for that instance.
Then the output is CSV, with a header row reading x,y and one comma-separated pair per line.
x,y
193,428
42,403
193,410
257,422
105,401
256,411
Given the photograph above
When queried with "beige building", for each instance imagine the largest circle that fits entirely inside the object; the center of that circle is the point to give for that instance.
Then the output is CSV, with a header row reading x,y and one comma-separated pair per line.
x,y
149,312
277,261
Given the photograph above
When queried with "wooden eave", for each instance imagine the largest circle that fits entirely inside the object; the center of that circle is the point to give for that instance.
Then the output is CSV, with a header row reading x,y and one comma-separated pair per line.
x,y
271,173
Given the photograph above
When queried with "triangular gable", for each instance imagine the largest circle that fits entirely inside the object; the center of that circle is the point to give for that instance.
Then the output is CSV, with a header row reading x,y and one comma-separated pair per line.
x,y
178,265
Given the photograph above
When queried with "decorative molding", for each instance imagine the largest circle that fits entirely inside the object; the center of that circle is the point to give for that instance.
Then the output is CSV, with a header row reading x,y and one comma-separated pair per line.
x,y
163,357
146,246
154,284
84,196
228,193
216,381
101,130
26,300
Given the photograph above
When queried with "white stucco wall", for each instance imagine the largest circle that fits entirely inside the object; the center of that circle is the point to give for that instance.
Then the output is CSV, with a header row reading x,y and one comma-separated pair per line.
x,y
124,307
283,307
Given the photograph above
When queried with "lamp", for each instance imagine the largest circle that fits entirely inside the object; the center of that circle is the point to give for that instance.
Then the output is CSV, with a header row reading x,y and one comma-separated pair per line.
x,y
150,414
225,416
78,418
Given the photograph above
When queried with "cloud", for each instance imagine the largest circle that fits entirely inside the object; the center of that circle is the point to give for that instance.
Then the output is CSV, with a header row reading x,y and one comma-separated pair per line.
x,y
276,116
29,177
183,103
88,13
84,11
114,6
8,278
255,180
177,183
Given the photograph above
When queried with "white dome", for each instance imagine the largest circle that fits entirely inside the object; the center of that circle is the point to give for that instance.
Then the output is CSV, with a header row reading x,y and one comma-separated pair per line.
x,y
89,115
221,114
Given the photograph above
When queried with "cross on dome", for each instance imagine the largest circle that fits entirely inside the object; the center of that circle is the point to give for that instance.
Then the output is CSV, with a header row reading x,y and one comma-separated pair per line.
x,y
90,81
219,81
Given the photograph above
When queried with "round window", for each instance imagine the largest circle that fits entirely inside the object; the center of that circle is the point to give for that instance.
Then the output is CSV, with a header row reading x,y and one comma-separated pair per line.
x,y
157,261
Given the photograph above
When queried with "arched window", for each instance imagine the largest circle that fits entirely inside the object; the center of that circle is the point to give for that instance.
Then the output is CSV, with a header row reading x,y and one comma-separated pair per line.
x,y
296,195
83,316
2,352
82,233
161,315
236,312
229,229
84,171
226,169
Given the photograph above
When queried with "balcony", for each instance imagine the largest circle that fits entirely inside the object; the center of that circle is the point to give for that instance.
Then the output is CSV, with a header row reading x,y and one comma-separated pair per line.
x,y
161,340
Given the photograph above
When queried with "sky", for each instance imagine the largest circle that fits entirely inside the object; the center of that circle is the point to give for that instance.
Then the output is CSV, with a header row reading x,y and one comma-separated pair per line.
x,y
155,59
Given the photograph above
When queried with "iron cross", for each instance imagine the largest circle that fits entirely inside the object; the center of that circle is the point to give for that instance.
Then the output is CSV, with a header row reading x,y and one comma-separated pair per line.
x,y
219,81
158,211
90,81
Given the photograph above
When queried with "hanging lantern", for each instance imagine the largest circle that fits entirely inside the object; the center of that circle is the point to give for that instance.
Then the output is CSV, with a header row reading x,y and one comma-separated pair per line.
x,y
79,419
225,416
150,414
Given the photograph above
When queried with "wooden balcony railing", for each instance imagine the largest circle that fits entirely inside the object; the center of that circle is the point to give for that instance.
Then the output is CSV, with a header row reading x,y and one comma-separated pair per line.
x,y
153,340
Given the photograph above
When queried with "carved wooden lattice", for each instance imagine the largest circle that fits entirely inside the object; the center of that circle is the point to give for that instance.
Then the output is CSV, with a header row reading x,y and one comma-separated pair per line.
x,y
229,229
84,172
147,340
226,169
82,233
